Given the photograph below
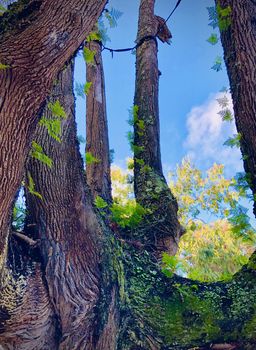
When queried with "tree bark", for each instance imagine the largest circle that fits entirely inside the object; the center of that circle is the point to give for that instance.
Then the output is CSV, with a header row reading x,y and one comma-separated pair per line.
x,y
98,172
69,231
151,189
239,43
37,38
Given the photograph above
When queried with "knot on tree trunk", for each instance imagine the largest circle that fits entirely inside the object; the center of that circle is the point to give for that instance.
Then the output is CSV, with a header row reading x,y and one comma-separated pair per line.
x,y
163,32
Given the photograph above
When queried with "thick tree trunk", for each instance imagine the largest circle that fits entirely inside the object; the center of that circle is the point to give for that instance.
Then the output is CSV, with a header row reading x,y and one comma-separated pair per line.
x,y
37,38
151,189
70,232
239,43
97,144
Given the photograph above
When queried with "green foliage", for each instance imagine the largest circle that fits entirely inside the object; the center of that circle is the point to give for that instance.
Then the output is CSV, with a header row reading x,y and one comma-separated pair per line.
x,y
217,65
224,17
215,250
37,152
2,10
213,39
93,36
53,127
129,214
87,87
4,66
89,55
18,216
170,264
233,141
31,187
112,16
83,90
213,17
57,109
100,203
90,159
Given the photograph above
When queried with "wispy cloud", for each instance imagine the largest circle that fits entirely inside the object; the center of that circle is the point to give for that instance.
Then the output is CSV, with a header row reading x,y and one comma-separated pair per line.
x,y
206,135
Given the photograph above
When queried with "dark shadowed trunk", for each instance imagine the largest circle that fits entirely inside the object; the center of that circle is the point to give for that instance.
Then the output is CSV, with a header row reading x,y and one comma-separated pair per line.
x,y
97,172
36,39
151,189
239,43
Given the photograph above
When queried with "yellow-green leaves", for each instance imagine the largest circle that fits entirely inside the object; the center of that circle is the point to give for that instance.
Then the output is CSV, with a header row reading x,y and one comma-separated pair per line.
x,y
31,187
4,66
57,109
100,203
89,55
37,152
90,159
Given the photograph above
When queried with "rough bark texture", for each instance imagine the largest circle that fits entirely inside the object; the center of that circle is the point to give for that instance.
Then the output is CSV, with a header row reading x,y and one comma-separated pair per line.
x,y
97,173
239,43
68,229
37,38
151,189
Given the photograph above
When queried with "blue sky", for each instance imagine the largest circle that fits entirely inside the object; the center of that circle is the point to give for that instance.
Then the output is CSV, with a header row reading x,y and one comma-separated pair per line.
x,y
190,124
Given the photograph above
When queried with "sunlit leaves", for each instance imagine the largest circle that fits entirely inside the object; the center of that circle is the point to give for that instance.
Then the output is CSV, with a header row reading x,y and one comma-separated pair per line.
x,y
100,203
57,109
83,89
53,127
224,17
213,39
37,152
90,159
233,141
89,55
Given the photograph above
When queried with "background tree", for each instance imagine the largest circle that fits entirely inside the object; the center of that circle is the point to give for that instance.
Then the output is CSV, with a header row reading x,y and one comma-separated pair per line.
x,y
97,144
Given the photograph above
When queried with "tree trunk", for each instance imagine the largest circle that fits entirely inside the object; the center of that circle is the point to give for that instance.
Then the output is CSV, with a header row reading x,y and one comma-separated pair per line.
x,y
151,189
239,43
70,232
97,144
37,38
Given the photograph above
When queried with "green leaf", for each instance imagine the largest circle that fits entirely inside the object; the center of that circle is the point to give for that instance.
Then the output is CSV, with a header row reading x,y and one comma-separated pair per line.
x,y
4,66
38,153
31,187
57,109
87,87
213,39
53,127
90,159
224,17
93,36
217,66
100,203
89,55
233,141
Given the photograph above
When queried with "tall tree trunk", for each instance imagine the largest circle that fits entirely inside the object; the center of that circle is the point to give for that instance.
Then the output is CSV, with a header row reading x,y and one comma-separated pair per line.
x,y
97,144
239,43
151,189
37,38
70,232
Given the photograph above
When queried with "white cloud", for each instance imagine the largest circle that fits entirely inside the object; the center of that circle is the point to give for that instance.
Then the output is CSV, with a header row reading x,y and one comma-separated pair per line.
x,y
206,135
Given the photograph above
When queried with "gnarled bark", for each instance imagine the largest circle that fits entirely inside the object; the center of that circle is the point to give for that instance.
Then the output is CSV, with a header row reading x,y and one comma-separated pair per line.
x,y
151,189
37,38
98,172
239,43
